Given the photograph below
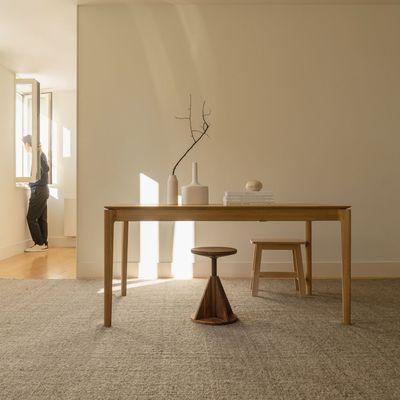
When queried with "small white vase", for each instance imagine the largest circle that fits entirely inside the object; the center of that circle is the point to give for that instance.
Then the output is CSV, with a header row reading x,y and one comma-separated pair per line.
x,y
194,194
172,190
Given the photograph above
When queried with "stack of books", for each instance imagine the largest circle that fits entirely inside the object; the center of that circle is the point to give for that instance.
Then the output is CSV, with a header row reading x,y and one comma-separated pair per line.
x,y
248,198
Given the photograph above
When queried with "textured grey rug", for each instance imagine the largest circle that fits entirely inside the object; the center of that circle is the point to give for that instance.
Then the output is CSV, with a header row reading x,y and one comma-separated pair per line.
x,y
53,345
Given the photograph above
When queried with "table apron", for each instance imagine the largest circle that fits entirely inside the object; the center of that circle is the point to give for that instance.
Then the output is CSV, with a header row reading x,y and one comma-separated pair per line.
x,y
227,215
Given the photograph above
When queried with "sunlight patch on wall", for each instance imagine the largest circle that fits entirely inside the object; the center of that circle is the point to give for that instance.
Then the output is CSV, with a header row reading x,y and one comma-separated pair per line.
x,y
44,133
149,230
66,135
182,258
54,150
53,193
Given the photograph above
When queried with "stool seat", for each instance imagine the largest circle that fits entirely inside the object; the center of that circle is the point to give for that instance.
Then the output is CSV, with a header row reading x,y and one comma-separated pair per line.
x,y
214,251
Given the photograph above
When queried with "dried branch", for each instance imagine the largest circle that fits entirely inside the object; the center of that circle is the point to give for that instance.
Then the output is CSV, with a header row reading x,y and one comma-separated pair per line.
x,y
200,132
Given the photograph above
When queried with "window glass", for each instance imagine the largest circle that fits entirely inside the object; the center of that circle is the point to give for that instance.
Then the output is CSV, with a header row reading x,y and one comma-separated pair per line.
x,y
33,118
23,127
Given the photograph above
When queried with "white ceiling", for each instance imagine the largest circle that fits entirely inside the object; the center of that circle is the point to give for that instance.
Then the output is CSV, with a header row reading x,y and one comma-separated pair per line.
x,y
38,37
241,1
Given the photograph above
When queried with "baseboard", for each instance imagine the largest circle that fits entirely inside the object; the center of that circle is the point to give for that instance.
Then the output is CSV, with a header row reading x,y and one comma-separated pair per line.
x,y
14,249
321,270
62,241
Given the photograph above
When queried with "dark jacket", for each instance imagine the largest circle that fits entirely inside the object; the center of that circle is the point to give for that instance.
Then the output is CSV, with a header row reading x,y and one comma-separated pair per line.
x,y
44,173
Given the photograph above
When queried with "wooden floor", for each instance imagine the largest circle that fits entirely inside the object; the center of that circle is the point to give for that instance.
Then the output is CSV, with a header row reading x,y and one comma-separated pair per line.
x,y
57,263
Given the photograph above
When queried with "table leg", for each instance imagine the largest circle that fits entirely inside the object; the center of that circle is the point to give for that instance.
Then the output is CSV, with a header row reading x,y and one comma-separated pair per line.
x,y
345,221
124,264
256,266
309,258
108,264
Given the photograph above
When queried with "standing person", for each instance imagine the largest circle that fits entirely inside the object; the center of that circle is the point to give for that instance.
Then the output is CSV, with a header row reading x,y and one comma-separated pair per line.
x,y
37,211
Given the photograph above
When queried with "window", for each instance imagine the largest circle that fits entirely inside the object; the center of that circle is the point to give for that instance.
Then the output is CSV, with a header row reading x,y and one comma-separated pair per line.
x,y
26,123
33,116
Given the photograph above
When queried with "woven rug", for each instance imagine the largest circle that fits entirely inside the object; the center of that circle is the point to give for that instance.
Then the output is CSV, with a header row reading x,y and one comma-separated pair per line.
x,y
53,344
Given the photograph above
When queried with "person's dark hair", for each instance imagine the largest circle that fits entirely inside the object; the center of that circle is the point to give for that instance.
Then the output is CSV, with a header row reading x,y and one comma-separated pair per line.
x,y
27,139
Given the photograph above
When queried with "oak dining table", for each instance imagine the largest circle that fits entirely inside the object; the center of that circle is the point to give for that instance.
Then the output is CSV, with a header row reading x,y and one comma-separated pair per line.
x,y
237,213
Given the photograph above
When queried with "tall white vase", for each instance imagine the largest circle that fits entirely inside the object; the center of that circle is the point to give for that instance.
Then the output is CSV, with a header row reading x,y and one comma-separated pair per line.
x,y
172,190
195,193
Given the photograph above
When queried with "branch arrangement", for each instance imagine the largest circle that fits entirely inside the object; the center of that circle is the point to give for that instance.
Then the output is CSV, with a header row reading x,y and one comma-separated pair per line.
x,y
196,134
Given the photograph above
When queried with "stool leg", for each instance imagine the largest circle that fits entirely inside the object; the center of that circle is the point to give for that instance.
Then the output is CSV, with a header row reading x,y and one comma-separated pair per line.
x,y
257,266
214,308
295,269
300,271
213,266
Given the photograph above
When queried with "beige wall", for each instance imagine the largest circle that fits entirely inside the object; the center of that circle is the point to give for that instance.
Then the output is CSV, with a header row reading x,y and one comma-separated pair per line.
x,y
13,232
304,98
64,120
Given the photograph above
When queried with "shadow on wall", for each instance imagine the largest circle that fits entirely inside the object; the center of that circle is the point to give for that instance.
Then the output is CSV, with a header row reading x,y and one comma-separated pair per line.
x,y
183,238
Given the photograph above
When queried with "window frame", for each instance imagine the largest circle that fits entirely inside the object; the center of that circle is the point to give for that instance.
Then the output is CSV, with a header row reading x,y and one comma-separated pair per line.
x,y
35,129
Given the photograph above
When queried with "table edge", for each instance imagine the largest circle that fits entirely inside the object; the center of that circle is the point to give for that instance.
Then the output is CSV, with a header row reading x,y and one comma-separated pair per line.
x,y
230,207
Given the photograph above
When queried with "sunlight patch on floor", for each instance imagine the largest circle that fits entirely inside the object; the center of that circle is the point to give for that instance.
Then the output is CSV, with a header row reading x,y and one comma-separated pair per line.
x,y
136,283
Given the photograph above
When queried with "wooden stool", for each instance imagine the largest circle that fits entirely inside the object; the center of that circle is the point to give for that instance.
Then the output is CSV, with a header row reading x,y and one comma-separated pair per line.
x,y
298,275
214,308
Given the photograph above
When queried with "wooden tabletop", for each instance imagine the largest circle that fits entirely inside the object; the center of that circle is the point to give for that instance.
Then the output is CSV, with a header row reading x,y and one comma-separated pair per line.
x,y
221,206
219,212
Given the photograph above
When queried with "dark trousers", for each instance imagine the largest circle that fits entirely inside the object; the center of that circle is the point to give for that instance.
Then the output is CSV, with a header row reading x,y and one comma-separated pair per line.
x,y
37,214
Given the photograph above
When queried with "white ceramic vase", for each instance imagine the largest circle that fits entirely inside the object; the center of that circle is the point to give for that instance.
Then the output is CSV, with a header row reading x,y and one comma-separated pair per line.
x,y
172,190
194,194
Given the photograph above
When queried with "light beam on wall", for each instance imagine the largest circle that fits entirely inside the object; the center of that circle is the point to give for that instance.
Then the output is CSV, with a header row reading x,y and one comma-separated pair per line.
x,y
66,135
44,133
149,230
182,258
53,193
54,150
